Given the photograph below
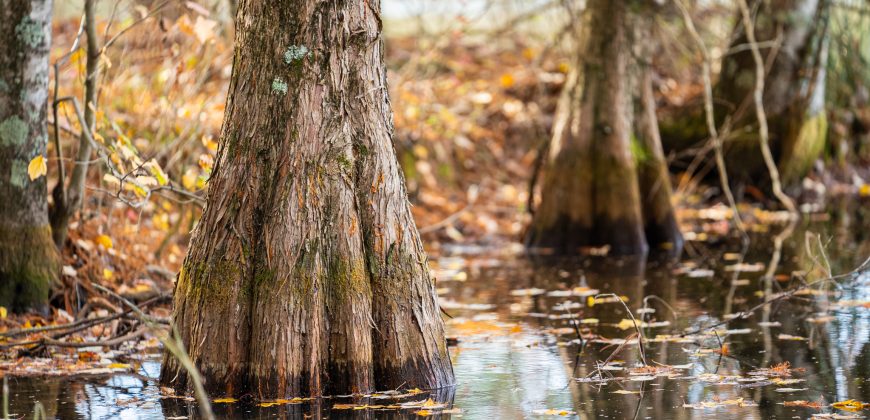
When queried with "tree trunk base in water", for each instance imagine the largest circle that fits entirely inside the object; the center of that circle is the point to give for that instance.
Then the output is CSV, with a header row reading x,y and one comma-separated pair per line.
x,y
306,275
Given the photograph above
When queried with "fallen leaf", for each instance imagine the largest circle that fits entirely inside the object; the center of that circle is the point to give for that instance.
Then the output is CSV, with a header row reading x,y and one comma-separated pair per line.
x,y
119,366
553,412
849,405
105,241
803,403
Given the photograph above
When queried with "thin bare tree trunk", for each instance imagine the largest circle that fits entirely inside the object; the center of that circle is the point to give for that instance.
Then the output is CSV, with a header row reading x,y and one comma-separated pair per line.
x,y
306,274
29,261
67,203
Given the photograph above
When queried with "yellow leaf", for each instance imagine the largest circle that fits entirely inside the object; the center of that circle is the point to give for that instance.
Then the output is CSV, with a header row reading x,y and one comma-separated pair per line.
x,y
37,167
119,366
75,57
188,180
206,162
410,391
626,324
3,312
507,80
281,401
108,274
228,400
864,190
27,325
429,403
154,168
209,144
105,241
423,413
849,405
590,301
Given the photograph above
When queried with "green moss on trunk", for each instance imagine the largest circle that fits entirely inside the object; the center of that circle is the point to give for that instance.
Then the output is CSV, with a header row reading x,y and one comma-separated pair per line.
x,y
29,265
800,154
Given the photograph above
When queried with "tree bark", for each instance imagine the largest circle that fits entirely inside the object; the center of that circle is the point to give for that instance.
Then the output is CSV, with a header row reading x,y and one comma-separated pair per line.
x,y
306,274
29,261
605,184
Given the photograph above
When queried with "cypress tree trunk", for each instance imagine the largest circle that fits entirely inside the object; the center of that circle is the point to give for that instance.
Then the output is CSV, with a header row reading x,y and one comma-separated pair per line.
x,y
29,261
306,274
794,96
606,182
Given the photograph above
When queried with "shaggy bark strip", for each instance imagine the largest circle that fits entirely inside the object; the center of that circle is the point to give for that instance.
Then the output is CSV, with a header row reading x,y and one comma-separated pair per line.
x,y
29,261
306,274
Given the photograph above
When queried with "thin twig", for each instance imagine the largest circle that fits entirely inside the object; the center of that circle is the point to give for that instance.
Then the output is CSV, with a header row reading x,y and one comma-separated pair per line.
x,y
758,96
710,116
636,325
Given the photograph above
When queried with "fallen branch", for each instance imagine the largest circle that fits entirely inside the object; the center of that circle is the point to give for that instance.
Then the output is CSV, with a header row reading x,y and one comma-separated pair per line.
x,y
105,343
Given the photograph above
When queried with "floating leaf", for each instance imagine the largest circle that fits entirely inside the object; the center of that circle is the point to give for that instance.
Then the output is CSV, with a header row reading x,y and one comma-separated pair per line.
x,y
625,391
553,412
803,403
118,366
228,400
849,405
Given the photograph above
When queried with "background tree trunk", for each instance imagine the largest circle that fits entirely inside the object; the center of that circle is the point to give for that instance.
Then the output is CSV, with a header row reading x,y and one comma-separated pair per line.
x,y
29,261
605,183
306,274
796,31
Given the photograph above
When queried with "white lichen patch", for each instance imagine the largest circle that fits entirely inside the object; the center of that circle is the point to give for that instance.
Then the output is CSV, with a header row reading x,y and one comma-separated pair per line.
x,y
295,52
13,132
279,86
29,32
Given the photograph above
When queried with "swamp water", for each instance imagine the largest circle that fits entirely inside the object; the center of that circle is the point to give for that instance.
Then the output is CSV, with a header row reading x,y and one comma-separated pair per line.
x,y
515,344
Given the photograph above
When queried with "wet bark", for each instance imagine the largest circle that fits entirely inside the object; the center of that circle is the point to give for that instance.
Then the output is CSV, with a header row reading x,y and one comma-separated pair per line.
x,y
29,261
605,184
306,274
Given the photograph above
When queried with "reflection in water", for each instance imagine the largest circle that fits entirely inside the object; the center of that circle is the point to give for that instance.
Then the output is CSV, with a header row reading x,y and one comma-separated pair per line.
x,y
523,357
